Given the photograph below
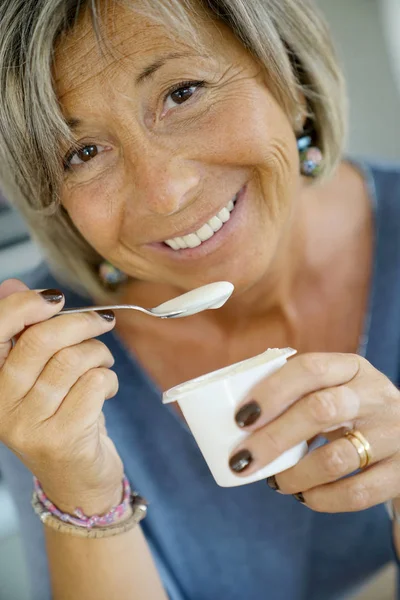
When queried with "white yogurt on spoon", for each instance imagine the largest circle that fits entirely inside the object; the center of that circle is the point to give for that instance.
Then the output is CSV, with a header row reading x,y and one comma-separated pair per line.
x,y
211,296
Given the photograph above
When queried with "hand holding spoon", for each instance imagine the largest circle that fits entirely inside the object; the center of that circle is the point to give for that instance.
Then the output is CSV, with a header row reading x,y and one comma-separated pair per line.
x,y
211,296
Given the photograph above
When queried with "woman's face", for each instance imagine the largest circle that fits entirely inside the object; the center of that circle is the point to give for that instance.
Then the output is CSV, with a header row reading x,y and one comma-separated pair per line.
x,y
170,137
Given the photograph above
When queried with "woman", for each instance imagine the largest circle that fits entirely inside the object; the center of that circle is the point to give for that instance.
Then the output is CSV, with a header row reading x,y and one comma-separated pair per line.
x,y
182,143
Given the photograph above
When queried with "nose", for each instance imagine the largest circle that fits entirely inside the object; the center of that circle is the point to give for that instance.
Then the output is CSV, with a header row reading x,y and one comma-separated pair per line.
x,y
165,182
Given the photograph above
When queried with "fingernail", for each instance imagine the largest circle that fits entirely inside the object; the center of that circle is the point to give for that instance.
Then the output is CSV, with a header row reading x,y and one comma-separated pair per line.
x,y
299,497
271,481
107,315
52,296
248,414
240,461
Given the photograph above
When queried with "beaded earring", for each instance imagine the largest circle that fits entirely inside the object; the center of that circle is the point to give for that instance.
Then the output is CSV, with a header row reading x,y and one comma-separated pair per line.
x,y
310,156
110,276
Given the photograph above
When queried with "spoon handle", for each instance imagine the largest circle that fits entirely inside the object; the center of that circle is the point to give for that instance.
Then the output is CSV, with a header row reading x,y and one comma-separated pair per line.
x,y
96,308
161,315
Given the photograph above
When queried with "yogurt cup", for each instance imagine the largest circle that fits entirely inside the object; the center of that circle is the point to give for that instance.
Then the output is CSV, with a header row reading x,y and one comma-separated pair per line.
x,y
209,404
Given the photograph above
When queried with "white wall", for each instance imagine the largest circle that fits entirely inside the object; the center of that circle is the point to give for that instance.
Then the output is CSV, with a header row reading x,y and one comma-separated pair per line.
x,y
390,10
357,27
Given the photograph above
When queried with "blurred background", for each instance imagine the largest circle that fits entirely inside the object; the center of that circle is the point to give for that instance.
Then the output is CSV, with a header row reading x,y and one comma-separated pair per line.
x,y
368,41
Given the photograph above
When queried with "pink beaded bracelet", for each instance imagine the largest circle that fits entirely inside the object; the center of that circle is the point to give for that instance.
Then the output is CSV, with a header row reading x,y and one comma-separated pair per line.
x,y
80,519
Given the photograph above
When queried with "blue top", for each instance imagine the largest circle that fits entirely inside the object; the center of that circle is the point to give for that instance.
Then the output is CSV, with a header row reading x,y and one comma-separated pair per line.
x,y
213,543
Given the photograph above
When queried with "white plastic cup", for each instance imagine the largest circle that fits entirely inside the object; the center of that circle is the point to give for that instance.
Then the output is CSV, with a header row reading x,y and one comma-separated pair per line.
x,y
209,404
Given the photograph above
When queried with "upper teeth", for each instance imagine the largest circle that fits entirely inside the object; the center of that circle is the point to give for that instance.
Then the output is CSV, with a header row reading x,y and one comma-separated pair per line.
x,y
205,232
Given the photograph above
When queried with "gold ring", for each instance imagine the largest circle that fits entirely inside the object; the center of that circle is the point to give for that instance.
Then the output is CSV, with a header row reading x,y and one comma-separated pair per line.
x,y
361,445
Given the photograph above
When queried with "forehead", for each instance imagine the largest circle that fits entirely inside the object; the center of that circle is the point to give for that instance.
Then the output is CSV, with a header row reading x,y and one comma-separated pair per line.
x,y
130,39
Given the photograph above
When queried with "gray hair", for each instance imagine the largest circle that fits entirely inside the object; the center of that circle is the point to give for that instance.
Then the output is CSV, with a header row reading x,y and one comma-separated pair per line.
x,y
288,37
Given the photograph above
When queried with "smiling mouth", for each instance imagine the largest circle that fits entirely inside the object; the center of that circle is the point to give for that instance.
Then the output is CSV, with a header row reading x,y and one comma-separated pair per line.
x,y
206,231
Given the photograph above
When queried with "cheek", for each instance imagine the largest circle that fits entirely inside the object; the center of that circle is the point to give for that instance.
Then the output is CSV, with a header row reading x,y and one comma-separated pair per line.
x,y
271,140
250,130
255,133
96,211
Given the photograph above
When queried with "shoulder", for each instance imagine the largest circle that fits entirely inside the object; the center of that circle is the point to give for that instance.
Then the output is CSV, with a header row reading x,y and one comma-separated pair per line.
x,y
385,173
382,179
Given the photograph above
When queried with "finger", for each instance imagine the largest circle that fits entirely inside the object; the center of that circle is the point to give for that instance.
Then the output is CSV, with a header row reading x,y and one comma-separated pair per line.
x,y
335,460
11,286
365,398
304,420
40,342
5,349
21,309
85,401
102,423
78,418
373,486
8,288
26,307
61,373
300,376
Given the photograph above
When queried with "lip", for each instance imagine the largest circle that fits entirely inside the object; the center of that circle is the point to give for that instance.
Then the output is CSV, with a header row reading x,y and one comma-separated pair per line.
x,y
207,247
196,226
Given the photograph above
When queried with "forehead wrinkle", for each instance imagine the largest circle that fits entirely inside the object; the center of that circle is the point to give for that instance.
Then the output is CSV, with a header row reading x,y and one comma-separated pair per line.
x,y
91,63
129,37
87,71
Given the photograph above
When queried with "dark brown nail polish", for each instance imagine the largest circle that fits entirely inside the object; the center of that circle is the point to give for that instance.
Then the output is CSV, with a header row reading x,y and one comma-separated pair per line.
x,y
107,315
299,497
52,296
240,461
273,484
248,414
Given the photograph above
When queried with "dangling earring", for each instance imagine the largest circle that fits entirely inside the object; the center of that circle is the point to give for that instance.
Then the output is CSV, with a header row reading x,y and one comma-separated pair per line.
x,y
110,276
310,156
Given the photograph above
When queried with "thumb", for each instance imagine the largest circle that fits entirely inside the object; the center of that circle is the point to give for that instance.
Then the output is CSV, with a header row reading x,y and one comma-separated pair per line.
x,y
8,287
11,286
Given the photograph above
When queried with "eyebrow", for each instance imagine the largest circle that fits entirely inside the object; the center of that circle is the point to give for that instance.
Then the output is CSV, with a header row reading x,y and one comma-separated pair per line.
x,y
74,123
146,73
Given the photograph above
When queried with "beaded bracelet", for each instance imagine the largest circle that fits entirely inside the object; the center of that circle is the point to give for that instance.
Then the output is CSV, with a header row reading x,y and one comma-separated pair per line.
x,y
138,511
81,520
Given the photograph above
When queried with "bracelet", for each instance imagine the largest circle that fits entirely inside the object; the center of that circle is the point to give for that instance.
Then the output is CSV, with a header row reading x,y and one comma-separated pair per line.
x,y
138,504
78,518
95,526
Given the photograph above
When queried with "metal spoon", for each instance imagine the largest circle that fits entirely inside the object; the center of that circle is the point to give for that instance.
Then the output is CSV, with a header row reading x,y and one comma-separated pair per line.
x,y
211,296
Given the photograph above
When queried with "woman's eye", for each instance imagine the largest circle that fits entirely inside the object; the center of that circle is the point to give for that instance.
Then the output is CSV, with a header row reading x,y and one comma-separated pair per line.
x,y
181,94
83,155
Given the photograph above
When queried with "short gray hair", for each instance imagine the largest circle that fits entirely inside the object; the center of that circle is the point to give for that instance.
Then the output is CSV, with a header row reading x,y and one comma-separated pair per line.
x,y
288,37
